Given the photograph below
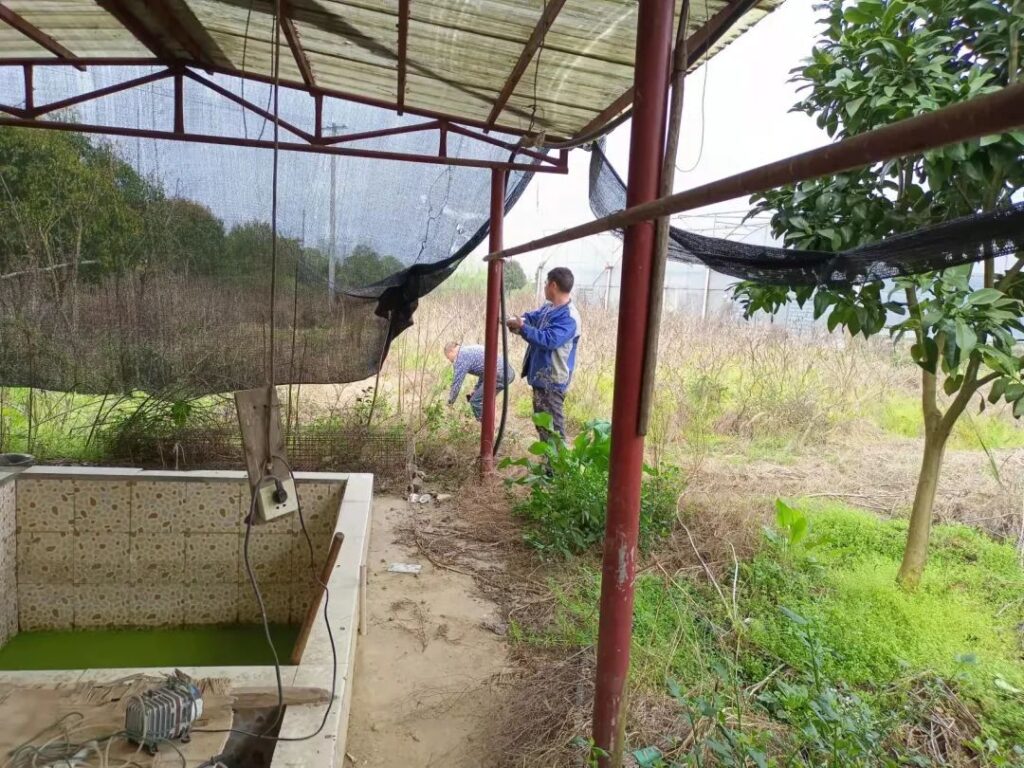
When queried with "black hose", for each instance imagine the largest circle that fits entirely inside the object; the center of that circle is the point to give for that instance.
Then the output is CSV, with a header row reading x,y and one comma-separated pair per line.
x,y
504,369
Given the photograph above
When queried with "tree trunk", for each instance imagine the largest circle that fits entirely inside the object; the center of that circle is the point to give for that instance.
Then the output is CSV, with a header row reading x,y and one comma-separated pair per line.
x,y
915,555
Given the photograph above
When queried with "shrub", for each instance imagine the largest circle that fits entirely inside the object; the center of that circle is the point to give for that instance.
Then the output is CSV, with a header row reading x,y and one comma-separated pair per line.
x,y
568,497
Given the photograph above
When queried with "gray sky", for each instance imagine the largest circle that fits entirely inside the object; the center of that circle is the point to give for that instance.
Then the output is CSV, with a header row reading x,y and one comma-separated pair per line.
x,y
743,117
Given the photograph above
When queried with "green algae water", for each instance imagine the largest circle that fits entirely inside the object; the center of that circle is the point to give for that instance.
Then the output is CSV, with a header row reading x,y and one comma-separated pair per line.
x,y
233,645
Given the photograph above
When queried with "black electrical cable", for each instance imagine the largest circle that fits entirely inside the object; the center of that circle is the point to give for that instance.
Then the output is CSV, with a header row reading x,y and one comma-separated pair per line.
x,y
504,333
266,628
263,613
504,365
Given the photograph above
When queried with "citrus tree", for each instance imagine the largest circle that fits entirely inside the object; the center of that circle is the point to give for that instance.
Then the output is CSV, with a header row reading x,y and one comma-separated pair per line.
x,y
878,61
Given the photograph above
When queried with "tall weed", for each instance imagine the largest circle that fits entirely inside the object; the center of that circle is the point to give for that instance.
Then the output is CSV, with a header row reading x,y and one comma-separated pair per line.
x,y
568,482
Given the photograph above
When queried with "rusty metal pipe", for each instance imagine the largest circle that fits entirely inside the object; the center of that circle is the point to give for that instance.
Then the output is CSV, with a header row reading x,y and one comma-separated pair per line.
x,y
646,153
662,226
494,279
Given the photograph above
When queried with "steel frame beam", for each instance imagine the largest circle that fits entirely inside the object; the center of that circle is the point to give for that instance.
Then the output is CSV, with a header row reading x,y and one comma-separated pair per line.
x,y
127,19
170,25
178,31
698,44
403,52
551,11
295,44
304,140
36,35
319,92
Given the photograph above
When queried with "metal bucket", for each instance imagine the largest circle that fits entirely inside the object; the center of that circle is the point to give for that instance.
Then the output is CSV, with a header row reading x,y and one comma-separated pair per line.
x,y
16,460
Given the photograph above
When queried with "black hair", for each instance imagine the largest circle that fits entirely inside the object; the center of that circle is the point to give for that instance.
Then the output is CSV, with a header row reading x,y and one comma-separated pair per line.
x,y
562,277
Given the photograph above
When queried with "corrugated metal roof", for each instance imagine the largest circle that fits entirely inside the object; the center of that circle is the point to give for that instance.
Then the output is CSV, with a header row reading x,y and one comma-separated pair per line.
x,y
460,53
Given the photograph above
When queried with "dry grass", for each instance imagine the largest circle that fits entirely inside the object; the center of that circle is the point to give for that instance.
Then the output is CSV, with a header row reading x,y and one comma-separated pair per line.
x,y
749,412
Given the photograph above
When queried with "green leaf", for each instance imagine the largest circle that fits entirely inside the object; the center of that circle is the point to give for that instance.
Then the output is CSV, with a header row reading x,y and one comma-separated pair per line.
x,y
833,320
822,300
973,172
541,448
1014,392
1018,409
796,618
544,421
998,388
674,689
647,757
966,338
984,296
930,316
854,15
853,106
927,356
798,530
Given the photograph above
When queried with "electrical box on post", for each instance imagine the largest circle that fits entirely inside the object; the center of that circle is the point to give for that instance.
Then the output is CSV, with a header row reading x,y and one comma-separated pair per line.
x,y
270,481
276,498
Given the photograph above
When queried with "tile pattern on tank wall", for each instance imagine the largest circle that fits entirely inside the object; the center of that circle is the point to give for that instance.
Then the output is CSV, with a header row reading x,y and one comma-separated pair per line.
x,y
8,563
108,552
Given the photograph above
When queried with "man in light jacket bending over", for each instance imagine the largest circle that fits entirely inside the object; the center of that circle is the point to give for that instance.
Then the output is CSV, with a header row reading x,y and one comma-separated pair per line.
x,y
552,334
469,359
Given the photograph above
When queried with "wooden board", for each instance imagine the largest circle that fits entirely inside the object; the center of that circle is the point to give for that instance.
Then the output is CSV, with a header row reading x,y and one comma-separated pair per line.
x,y
258,409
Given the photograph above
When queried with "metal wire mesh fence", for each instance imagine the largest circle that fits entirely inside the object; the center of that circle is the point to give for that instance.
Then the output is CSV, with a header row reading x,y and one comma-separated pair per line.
x,y
382,450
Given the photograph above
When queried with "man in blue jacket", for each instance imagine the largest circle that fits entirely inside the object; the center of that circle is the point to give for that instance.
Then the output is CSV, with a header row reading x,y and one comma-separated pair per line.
x,y
552,334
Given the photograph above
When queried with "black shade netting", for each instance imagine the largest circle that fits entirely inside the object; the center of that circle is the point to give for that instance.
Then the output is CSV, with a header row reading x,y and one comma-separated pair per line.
x,y
960,241
140,264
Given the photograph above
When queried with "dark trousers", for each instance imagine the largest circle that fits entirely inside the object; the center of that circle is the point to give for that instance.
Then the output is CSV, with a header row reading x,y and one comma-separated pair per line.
x,y
476,399
551,401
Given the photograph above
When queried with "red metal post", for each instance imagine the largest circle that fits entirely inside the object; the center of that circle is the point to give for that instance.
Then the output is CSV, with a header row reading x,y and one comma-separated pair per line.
x,y
494,274
30,89
646,150
403,47
284,146
179,102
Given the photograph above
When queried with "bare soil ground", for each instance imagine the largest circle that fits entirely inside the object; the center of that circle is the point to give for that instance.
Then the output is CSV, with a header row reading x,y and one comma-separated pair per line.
x,y
424,688
974,488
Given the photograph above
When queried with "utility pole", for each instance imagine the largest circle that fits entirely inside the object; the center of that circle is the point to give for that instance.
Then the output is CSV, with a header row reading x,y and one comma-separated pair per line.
x,y
333,130
334,202
539,281
609,268
707,293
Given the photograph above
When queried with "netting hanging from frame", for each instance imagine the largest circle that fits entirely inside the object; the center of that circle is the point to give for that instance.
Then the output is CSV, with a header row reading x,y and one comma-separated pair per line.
x,y
139,264
960,241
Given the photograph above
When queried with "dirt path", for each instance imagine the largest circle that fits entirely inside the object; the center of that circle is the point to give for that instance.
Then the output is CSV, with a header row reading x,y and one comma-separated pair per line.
x,y
422,693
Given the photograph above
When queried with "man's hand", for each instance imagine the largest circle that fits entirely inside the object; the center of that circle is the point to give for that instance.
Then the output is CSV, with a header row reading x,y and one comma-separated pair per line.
x,y
515,324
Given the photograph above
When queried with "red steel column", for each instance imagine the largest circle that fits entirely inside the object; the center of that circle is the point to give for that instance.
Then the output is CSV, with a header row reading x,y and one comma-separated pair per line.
x,y
646,150
494,274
